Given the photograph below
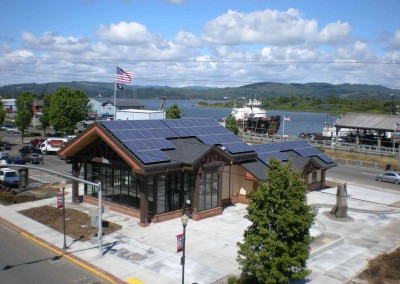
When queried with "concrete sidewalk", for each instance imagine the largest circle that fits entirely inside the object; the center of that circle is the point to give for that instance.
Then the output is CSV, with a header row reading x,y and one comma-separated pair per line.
x,y
148,255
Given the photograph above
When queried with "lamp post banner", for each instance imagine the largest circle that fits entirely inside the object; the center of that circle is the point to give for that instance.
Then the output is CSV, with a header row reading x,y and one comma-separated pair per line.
x,y
179,242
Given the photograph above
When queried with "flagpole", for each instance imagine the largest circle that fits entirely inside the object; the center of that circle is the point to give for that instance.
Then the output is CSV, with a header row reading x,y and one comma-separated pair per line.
x,y
115,96
284,118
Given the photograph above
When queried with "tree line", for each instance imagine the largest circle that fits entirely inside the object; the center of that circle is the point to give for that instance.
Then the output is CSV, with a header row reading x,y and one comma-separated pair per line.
x,y
61,111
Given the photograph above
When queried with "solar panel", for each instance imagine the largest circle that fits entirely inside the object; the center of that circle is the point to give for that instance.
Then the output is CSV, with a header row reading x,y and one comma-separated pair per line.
x,y
209,132
266,151
307,152
144,138
325,158
265,157
151,156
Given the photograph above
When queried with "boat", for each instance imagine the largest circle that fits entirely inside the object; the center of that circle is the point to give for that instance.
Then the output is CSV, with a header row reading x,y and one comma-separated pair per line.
x,y
251,118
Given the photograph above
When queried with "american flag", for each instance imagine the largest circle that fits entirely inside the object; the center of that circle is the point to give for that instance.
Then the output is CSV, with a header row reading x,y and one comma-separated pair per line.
x,y
287,118
123,76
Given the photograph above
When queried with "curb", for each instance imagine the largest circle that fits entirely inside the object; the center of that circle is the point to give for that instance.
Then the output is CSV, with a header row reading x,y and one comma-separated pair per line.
x,y
76,260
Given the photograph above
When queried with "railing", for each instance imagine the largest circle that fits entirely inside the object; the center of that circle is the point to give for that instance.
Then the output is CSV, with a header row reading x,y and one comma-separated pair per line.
x,y
357,163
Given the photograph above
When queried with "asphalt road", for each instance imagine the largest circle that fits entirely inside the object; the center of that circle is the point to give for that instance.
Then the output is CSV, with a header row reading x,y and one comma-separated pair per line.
x,y
23,261
360,175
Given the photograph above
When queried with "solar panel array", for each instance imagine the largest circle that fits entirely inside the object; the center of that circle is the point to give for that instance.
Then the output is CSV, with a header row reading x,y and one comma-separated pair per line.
x,y
265,152
147,139
210,132
144,138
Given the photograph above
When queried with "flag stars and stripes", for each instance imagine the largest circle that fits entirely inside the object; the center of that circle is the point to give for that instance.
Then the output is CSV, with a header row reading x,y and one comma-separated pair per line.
x,y
123,75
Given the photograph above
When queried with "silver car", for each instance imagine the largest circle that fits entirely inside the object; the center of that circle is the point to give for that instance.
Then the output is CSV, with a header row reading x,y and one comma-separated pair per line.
x,y
389,177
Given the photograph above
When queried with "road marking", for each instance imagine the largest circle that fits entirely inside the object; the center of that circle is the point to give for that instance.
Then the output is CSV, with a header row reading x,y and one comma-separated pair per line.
x,y
64,255
368,174
134,281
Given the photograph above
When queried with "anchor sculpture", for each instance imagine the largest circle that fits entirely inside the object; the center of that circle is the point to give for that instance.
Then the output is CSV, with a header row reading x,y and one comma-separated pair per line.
x,y
340,209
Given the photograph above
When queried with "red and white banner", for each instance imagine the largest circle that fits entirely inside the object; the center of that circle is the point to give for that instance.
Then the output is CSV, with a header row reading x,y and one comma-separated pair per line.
x,y
179,242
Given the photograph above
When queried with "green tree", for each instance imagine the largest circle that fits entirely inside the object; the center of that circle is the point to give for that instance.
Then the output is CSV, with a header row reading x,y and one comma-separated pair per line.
x,y
67,108
276,245
24,115
2,113
45,117
231,125
174,112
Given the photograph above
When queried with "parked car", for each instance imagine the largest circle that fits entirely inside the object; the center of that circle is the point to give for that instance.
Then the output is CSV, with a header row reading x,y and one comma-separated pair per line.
x,y
33,158
6,126
5,145
28,149
4,187
389,176
13,130
16,160
4,155
9,177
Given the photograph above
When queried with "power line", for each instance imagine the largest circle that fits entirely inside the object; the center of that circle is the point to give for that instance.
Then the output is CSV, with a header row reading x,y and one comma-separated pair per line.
x,y
209,60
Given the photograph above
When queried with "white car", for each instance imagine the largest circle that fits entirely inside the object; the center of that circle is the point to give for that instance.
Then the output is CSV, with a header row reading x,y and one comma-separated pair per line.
x,y
389,176
9,177
13,130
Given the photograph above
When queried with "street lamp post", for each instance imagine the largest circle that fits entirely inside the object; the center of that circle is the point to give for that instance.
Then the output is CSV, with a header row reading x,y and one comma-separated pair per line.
x,y
184,220
393,111
63,194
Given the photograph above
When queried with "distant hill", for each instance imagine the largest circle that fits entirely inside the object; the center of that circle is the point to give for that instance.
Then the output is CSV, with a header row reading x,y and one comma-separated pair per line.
x,y
258,90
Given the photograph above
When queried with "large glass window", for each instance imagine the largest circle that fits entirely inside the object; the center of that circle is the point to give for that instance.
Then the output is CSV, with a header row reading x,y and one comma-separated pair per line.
x,y
161,195
208,191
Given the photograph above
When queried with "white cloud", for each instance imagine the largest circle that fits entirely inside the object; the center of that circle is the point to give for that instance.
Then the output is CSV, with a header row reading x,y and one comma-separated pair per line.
x,y
268,27
335,32
358,51
53,42
395,42
176,2
187,39
272,27
125,33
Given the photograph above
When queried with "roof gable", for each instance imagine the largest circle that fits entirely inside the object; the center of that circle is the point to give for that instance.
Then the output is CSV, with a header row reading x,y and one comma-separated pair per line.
x,y
285,151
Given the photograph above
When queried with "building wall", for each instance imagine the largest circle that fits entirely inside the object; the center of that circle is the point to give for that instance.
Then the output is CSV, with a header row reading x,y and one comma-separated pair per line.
x,y
239,186
133,114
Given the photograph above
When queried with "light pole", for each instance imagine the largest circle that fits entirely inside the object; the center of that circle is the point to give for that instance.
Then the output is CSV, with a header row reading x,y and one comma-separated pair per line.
x,y
184,220
234,100
392,95
63,194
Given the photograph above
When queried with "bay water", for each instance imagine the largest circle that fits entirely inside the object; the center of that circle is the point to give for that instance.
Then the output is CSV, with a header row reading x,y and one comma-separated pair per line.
x,y
311,122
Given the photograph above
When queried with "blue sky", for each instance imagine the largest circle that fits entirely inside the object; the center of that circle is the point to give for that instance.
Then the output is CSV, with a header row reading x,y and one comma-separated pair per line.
x,y
204,43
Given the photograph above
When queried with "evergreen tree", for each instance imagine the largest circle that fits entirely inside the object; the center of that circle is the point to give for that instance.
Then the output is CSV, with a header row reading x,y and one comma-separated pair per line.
x,y
276,245
230,124
174,112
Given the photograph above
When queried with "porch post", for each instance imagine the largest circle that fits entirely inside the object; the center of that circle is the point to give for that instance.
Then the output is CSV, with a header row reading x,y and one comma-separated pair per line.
x,y
76,168
195,200
220,174
144,203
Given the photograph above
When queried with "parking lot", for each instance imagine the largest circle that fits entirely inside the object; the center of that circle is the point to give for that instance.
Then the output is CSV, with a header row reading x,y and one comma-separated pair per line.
x,y
49,161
